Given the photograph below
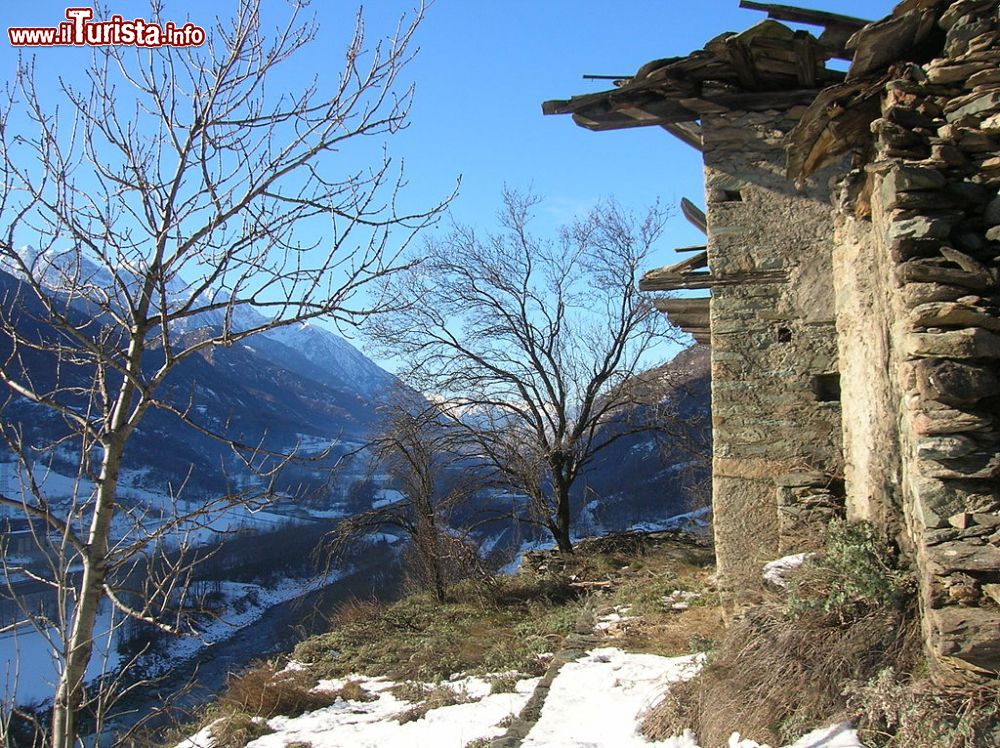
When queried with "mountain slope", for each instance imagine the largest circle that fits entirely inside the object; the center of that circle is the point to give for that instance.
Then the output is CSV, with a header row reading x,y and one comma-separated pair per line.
x,y
288,386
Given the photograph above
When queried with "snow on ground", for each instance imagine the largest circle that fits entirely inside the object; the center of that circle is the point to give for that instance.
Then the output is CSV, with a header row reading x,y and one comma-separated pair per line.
x,y
776,572
696,520
372,724
598,699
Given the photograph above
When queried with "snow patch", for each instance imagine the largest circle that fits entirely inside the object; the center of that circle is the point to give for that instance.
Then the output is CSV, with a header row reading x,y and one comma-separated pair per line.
x,y
776,572
599,699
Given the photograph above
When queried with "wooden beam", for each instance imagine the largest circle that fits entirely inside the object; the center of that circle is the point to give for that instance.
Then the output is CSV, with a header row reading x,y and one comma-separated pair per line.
x,y
687,132
805,59
698,248
697,262
694,215
661,280
683,306
804,15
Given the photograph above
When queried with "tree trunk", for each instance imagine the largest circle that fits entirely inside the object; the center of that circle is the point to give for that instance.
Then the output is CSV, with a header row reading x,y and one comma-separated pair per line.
x,y
561,531
80,647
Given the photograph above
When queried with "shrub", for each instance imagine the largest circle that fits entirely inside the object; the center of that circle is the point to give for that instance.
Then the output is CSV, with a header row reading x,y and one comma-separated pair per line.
x,y
237,729
857,572
505,682
264,691
436,698
899,712
779,671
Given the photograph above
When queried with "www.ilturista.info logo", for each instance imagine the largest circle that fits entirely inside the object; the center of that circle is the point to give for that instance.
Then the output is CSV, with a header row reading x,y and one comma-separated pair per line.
x,y
81,31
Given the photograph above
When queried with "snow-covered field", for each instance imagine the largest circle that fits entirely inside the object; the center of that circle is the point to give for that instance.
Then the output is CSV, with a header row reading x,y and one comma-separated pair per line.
x,y
596,701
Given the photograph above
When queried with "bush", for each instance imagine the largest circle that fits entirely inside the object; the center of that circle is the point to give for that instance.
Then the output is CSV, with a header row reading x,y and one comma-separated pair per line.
x,y
435,698
237,729
264,691
780,669
900,712
857,572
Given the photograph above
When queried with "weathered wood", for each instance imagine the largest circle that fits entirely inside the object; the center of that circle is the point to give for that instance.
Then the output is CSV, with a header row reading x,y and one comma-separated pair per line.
x,y
738,53
812,143
683,306
804,15
662,280
758,101
687,132
880,44
697,262
694,215
696,248
806,59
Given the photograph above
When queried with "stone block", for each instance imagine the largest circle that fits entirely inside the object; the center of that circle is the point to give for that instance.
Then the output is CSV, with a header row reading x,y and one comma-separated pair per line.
x,y
949,421
952,314
991,215
934,501
910,178
919,227
960,520
955,383
980,105
961,555
942,71
969,635
945,447
981,466
971,342
986,76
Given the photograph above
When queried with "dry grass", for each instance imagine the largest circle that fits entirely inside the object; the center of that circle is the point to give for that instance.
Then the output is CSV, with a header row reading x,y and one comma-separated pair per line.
x,y
237,729
265,691
434,698
479,629
672,634
902,712
774,678
781,669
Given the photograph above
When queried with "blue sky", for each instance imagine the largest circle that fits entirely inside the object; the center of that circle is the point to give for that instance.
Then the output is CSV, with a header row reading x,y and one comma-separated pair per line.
x,y
483,70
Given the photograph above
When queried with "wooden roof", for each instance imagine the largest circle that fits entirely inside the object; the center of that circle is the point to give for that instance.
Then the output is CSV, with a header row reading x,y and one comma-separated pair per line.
x,y
767,66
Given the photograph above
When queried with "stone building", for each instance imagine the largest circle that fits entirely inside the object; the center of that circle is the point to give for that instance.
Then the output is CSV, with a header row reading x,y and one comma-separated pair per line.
x,y
851,262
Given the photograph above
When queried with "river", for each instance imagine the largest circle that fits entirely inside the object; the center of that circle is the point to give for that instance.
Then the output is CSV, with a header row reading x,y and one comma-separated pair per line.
x,y
196,681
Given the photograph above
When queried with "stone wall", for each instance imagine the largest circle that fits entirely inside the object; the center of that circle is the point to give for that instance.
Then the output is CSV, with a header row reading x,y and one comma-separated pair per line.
x,y
775,406
918,303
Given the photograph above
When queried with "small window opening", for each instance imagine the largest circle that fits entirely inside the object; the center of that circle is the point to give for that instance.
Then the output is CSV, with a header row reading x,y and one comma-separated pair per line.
x,y
731,196
827,388
783,334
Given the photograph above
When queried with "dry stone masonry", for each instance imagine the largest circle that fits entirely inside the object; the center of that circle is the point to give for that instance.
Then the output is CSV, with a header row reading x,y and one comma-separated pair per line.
x,y
852,257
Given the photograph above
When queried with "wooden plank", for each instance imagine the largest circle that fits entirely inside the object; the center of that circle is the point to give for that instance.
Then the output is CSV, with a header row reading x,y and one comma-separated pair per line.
x,y
694,215
742,61
758,101
877,46
687,132
805,15
697,248
806,60
659,280
683,306
697,262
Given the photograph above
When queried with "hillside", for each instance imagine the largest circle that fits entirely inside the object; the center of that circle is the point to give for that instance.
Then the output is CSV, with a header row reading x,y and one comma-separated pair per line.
x,y
568,652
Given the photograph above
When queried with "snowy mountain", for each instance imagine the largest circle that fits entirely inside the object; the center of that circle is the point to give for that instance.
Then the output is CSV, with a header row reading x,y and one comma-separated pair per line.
x,y
301,385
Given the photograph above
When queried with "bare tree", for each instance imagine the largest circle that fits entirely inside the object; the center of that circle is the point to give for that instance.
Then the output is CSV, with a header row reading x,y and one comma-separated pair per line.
x,y
417,452
533,342
167,200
